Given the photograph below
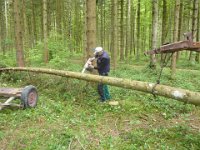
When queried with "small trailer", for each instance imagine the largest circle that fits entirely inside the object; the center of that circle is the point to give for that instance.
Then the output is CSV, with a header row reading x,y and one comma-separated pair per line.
x,y
28,96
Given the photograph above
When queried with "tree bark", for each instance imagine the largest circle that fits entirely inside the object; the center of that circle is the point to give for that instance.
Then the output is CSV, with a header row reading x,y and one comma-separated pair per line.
x,y
2,27
128,25
18,35
69,25
102,23
75,25
1,20
194,27
25,32
122,30
132,46
85,33
58,17
198,30
6,17
65,25
34,30
180,27
176,25
164,22
91,26
114,33
45,34
197,57
49,18
154,31
138,31
182,95
164,25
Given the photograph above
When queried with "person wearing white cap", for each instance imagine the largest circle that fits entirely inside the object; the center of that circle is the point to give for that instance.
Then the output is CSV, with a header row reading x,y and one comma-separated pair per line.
x,y
103,67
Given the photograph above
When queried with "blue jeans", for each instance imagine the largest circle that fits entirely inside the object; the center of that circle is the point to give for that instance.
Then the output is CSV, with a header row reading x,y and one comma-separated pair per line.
x,y
103,90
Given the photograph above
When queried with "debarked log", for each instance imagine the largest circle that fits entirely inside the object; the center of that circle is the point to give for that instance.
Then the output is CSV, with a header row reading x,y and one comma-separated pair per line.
x,y
182,95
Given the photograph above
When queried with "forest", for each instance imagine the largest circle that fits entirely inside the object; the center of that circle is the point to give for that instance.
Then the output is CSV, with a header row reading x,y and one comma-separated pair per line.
x,y
154,84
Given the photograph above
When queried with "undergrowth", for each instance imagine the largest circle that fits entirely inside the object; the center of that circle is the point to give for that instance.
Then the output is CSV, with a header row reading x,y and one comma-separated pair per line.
x,y
69,116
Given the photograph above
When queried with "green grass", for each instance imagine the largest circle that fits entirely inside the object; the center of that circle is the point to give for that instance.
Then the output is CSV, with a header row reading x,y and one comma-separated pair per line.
x,y
69,116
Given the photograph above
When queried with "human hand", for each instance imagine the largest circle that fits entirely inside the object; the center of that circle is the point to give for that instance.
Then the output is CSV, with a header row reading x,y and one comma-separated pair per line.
x,y
92,59
90,66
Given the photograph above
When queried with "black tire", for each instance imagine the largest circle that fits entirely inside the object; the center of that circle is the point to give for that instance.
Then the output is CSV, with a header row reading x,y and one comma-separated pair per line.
x,y
29,97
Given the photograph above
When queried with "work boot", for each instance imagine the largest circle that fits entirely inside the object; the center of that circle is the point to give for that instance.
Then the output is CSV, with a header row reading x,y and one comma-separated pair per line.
x,y
102,101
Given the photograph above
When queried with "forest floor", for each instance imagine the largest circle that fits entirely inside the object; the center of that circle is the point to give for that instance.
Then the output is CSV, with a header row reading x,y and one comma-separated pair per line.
x,y
69,116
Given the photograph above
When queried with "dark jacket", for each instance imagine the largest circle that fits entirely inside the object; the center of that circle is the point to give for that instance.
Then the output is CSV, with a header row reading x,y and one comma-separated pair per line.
x,y
103,63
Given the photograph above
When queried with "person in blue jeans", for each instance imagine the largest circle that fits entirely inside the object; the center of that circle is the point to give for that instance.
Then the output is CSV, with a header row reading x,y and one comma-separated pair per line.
x,y
103,67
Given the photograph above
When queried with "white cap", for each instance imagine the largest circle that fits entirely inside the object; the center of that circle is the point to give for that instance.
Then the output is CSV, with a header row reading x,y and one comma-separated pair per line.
x,y
97,50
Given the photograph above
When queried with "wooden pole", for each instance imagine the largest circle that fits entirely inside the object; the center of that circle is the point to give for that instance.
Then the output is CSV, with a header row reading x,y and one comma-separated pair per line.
x,y
183,95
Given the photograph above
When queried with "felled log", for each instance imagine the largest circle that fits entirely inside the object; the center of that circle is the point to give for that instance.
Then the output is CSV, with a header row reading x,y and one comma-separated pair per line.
x,y
182,95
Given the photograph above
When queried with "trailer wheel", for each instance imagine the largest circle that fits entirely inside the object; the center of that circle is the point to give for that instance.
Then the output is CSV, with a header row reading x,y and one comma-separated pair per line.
x,y
29,97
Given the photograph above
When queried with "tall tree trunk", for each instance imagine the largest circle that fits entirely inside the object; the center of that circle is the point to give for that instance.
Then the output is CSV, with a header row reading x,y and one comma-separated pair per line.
x,y
85,33
102,23
171,21
65,25
12,26
25,32
132,47
76,26
18,34
114,40
128,31
198,34
58,17
41,35
180,27
194,27
138,30
98,21
164,24
187,20
176,25
144,29
80,27
46,51
6,23
70,25
154,31
122,30
6,17
49,12
34,30
1,20
91,26
29,32
108,34
3,27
